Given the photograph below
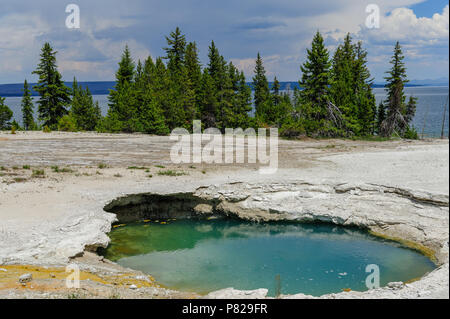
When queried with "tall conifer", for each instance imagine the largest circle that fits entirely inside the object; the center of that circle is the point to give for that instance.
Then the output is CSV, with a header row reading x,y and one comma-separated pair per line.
x,y
54,94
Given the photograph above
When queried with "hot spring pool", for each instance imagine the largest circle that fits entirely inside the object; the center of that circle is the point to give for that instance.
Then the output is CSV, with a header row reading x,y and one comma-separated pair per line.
x,y
207,255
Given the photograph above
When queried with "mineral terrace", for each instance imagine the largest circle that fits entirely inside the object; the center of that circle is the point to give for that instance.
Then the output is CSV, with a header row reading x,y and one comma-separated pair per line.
x,y
60,193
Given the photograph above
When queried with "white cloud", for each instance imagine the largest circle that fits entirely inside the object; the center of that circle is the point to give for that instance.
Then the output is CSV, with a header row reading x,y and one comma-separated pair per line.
x,y
403,25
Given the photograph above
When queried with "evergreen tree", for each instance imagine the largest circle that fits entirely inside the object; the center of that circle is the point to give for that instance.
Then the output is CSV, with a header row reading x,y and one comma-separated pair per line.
x,y
160,89
193,83
27,108
381,116
175,54
398,115
261,91
54,95
150,117
276,97
343,87
222,90
410,110
175,51
282,105
85,112
209,105
5,115
122,115
279,107
243,104
215,66
365,99
226,96
351,88
149,72
125,73
315,83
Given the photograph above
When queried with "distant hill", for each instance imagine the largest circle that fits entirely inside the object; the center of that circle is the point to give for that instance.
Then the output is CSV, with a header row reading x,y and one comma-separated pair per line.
x,y
103,87
428,82
96,88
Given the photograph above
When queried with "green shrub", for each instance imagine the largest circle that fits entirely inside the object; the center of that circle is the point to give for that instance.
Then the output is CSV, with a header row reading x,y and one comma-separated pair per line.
x,y
170,172
5,115
67,124
38,173
56,169
102,166
411,134
46,129
292,129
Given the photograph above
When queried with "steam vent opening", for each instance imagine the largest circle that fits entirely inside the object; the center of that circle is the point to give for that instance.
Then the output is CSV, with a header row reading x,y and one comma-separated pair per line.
x,y
187,244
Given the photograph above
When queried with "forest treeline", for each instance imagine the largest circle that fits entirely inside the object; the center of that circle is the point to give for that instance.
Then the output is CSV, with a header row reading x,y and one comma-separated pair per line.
x,y
157,95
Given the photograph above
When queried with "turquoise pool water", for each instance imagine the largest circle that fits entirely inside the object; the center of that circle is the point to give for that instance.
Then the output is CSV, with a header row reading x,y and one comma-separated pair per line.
x,y
207,255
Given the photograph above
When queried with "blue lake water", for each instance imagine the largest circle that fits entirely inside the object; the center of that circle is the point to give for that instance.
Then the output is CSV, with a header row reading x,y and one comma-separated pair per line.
x,y
431,102
207,255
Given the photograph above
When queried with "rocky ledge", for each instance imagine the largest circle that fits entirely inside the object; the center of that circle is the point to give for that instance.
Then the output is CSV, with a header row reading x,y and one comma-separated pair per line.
x,y
417,219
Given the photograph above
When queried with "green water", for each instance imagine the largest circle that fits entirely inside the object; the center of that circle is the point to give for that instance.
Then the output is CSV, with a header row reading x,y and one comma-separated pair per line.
x,y
207,255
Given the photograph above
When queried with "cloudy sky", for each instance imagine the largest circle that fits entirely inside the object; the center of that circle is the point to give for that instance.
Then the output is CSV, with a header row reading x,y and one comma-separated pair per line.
x,y
280,30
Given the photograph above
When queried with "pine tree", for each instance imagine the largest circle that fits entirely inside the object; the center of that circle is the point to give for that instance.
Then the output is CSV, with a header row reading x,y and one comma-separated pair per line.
x,y
84,111
125,73
150,117
343,86
381,116
149,71
315,83
54,95
27,108
5,115
175,51
410,110
261,91
397,120
175,54
243,104
281,105
209,104
365,99
122,113
222,88
276,97
193,83
215,66
351,88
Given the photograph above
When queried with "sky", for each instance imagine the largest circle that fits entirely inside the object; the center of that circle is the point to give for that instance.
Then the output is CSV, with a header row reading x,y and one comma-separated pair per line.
x,y
281,30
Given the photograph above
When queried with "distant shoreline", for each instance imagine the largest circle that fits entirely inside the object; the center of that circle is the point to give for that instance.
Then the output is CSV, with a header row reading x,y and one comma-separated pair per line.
x,y
103,87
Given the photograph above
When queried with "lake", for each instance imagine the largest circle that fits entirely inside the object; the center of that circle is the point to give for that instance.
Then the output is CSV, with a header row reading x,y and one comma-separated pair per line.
x,y
429,114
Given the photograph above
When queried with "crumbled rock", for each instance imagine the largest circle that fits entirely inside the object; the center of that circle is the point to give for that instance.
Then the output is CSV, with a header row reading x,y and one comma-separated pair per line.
x,y
395,285
203,209
25,278
231,293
